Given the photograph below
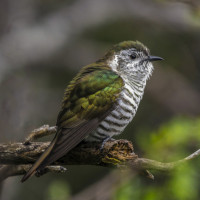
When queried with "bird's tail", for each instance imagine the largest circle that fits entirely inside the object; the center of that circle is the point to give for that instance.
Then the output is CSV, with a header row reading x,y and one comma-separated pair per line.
x,y
39,162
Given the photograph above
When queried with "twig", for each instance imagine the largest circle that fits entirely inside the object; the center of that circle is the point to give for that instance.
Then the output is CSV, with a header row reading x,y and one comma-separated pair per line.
x,y
15,170
40,132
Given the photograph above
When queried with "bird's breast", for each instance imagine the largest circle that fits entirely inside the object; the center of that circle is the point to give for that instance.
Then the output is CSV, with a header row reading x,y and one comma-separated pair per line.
x,y
121,116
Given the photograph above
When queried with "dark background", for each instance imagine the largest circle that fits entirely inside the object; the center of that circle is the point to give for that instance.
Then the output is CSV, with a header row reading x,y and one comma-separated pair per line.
x,y
43,44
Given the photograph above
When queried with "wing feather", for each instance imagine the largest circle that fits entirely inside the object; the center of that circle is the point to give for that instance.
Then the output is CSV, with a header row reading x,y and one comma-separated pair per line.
x,y
89,98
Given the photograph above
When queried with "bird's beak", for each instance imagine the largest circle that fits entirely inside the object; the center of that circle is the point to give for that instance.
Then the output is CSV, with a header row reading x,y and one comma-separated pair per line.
x,y
153,58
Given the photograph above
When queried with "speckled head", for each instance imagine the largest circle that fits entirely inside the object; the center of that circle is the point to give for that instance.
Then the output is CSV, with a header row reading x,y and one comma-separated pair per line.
x,y
138,46
132,60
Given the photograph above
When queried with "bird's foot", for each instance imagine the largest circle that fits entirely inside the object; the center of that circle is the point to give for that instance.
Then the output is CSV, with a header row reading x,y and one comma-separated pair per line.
x,y
104,142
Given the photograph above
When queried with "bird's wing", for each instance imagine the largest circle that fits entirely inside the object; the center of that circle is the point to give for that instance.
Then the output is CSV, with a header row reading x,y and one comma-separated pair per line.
x,y
88,100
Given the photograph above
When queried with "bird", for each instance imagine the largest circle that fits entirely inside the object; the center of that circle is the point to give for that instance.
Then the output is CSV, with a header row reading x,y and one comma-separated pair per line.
x,y
100,101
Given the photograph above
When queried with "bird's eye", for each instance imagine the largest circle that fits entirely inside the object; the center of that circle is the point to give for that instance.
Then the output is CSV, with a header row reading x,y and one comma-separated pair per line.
x,y
133,56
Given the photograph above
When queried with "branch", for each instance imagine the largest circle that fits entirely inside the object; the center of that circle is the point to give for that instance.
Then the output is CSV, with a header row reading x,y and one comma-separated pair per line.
x,y
17,158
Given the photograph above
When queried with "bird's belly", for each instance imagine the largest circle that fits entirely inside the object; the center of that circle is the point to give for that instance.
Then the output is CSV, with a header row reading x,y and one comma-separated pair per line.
x,y
119,118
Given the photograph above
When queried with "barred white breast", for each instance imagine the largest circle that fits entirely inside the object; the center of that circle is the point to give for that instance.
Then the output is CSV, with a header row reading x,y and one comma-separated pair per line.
x,y
122,115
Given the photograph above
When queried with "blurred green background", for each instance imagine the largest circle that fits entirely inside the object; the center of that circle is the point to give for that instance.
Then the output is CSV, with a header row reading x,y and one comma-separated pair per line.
x,y
43,44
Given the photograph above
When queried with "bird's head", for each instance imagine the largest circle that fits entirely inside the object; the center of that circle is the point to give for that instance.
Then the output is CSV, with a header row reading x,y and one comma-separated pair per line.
x,y
131,59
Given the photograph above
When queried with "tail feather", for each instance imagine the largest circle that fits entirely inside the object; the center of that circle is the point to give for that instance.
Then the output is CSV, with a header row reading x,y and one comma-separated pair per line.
x,y
64,140
39,162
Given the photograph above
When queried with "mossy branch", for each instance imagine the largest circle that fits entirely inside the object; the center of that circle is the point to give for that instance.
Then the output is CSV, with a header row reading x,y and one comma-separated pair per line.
x,y
16,158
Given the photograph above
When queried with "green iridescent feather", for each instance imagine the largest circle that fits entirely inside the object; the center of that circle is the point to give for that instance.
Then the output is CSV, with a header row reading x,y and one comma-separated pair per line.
x,y
90,94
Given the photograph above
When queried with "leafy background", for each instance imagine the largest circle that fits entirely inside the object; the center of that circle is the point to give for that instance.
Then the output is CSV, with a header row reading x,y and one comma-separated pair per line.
x,y
43,44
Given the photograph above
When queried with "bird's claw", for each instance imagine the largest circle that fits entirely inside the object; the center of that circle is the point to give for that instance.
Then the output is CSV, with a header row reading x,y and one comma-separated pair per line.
x,y
104,142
